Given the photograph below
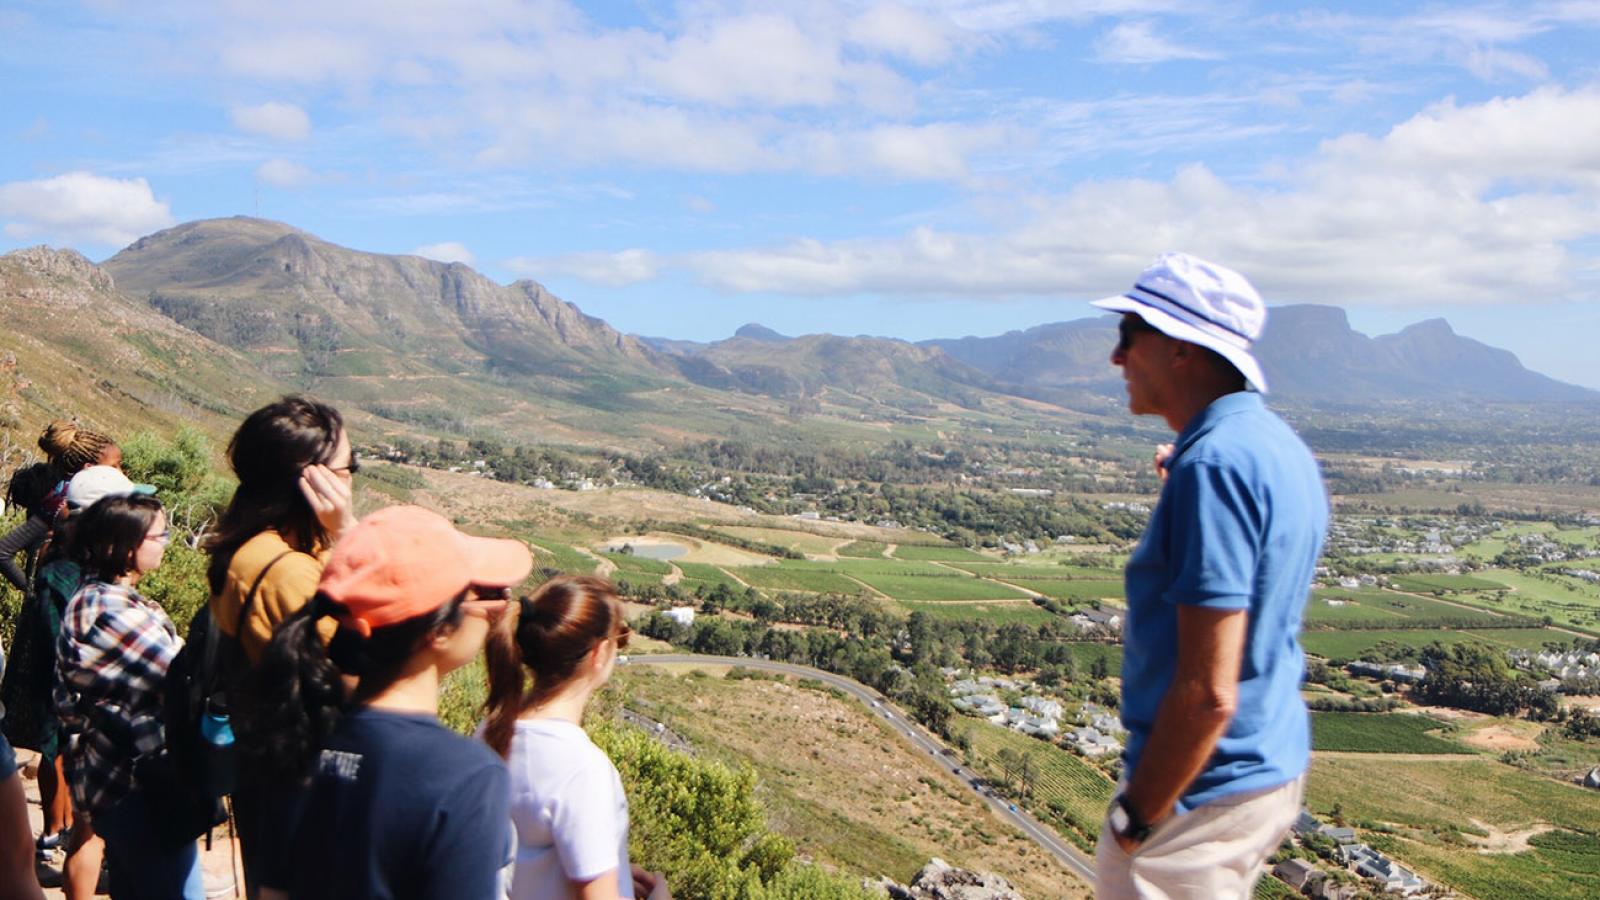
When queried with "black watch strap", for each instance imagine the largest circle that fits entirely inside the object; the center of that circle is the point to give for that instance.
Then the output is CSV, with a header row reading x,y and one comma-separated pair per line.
x,y
1135,830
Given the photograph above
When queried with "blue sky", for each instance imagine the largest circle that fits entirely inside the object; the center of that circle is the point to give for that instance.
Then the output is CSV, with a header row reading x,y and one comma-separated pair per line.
x,y
914,169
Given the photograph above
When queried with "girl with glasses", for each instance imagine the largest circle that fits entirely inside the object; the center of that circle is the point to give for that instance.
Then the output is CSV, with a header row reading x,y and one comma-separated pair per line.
x,y
567,804
112,659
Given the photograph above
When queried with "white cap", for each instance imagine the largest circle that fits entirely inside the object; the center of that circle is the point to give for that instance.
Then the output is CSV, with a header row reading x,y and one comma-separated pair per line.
x,y
96,482
1187,298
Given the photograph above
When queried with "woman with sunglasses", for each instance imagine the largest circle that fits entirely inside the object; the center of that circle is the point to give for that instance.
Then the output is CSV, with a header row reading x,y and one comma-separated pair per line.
x,y
111,665
391,803
567,803
294,500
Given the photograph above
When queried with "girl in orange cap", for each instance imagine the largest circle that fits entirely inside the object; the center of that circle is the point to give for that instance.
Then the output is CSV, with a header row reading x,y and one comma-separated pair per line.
x,y
394,804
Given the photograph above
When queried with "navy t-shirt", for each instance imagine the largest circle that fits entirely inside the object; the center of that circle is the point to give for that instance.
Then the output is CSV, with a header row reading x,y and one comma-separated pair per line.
x,y
400,808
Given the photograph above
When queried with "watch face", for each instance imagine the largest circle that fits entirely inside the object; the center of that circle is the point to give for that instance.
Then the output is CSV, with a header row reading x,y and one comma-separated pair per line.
x,y
1119,819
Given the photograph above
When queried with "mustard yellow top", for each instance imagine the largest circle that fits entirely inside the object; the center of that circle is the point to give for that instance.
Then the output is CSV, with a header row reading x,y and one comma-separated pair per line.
x,y
289,586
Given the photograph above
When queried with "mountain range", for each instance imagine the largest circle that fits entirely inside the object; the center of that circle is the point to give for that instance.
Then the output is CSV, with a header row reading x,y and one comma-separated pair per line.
x,y
201,321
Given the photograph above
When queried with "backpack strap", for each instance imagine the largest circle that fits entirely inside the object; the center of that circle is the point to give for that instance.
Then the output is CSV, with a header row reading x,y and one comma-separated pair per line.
x,y
249,599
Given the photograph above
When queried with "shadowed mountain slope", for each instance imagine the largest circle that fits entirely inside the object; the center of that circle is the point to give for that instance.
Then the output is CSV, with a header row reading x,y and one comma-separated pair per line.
x,y
1310,353
77,347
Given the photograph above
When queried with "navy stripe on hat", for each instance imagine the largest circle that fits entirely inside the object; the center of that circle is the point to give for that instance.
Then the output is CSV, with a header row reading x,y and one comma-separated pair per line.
x,y
1201,316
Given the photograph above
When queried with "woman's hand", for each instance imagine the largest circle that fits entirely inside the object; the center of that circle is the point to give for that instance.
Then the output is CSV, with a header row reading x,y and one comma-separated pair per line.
x,y
329,496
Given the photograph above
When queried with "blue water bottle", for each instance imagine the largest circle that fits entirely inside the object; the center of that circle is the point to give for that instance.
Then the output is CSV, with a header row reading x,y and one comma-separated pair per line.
x,y
217,753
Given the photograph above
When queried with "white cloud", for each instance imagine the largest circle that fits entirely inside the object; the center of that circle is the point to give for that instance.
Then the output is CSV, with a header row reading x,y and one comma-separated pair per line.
x,y
1136,43
280,121
445,252
1470,204
284,174
767,60
82,207
900,31
610,269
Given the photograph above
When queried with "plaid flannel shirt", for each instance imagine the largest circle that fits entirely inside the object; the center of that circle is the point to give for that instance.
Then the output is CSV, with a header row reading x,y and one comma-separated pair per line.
x,y
111,665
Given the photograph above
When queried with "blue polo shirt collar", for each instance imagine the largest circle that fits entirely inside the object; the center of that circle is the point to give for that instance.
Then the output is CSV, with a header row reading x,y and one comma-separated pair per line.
x,y
1220,408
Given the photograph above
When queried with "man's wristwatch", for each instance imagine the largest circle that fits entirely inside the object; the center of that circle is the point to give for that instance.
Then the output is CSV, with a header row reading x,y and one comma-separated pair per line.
x,y
1125,822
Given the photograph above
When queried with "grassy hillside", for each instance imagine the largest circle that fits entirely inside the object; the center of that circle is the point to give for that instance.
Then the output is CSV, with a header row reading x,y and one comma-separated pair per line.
x,y
849,793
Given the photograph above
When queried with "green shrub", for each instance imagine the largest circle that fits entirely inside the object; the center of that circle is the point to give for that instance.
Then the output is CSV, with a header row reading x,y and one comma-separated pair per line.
x,y
698,822
178,584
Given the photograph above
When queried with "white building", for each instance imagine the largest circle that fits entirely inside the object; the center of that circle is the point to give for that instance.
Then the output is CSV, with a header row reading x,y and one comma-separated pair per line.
x,y
683,615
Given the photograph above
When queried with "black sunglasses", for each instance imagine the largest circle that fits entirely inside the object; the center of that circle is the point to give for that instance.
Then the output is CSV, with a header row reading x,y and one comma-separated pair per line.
x,y
1130,326
353,468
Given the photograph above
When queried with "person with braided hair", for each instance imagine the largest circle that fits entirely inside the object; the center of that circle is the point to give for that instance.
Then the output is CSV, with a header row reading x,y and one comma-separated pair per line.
x,y
68,448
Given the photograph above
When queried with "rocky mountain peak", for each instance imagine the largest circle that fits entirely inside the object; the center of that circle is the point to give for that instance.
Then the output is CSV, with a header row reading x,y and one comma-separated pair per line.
x,y
48,263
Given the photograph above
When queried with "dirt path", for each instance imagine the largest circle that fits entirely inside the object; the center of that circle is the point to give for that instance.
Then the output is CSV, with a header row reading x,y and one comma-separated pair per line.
x,y
673,577
869,588
606,567
219,862
1499,841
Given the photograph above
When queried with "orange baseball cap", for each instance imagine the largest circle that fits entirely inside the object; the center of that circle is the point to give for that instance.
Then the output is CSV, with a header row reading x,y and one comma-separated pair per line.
x,y
405,561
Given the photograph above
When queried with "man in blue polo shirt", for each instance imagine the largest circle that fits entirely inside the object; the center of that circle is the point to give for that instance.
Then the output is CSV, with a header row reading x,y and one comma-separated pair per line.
x,y
1218,737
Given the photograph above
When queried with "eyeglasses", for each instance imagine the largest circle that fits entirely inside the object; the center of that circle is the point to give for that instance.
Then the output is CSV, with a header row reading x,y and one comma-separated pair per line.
x,y
160,537
352,468
621,637
1128,327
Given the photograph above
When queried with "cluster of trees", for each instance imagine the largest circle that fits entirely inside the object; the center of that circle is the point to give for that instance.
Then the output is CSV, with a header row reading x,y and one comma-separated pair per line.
x,y
854,638
518,464
1477,677
1581,724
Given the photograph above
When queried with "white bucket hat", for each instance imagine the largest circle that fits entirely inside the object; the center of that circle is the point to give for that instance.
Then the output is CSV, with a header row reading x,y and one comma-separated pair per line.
x,y
1187,298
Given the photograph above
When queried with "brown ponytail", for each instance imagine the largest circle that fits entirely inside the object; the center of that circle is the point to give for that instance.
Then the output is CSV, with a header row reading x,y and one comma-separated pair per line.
x,y
546,635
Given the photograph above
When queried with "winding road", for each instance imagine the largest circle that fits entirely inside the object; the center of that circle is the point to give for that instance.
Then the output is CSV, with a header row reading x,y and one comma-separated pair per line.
x,y
918,737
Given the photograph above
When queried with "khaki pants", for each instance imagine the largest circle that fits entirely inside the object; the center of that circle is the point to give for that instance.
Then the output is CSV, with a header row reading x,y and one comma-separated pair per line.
x,y
1214,852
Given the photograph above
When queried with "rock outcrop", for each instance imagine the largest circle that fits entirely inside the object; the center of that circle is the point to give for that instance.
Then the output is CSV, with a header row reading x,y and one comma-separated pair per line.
x,y
939,880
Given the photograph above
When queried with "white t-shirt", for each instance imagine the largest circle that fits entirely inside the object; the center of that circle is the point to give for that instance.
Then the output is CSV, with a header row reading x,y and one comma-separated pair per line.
x,y
569,811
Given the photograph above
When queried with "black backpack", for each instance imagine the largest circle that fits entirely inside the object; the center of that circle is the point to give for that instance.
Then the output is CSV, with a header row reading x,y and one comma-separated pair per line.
x,y
202,676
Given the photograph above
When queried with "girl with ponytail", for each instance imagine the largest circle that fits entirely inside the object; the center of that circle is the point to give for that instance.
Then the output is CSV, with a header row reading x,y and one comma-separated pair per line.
x,y
388,802
567,804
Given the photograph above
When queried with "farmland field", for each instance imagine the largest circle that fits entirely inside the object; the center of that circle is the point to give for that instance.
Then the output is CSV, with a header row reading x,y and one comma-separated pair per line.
x,y
1430,583
1071,590
1429,798
794,578
863,549
562,557
926,587
695,574
1352,645
1008,571
1000,613
803,541
1368,605
951,554
1379,733
1364,606
893,567
1567,601
1066,788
